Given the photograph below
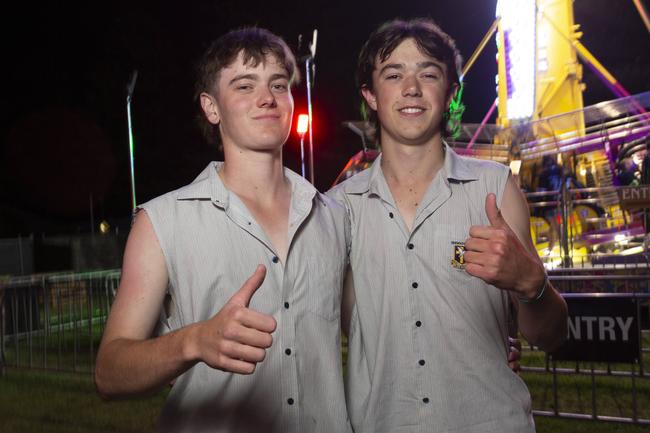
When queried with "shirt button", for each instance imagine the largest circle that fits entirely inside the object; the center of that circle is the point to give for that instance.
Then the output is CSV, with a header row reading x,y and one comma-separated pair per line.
x,y
425,400
410,246
290,401
418,323
414,285
421,362
288,351
286,305
275,259
390,214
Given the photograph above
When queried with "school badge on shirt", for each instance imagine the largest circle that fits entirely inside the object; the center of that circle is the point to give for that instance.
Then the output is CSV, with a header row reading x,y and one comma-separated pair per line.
x,y
458,260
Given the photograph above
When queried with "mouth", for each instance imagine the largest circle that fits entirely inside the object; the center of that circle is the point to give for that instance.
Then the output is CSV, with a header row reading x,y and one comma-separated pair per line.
x,y
411,110
267,117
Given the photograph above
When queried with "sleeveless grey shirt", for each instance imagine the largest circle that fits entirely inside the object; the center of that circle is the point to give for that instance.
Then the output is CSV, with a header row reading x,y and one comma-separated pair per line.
x,y
211,245
428,342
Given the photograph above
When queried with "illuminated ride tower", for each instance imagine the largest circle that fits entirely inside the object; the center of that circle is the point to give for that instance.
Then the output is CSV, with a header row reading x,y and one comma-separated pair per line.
x,y
554,143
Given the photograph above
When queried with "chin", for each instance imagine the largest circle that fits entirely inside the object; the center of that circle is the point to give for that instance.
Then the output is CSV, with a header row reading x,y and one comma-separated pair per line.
x,y
268,146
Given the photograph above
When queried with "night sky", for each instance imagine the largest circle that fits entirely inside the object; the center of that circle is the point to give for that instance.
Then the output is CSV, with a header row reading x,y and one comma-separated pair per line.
x,y
63,130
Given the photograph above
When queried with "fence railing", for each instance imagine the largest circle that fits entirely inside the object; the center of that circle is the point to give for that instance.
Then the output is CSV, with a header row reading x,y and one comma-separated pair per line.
x,y
595,389
54,321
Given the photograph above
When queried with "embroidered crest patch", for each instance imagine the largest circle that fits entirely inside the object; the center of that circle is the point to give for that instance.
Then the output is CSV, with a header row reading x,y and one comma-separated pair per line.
x,y
458,260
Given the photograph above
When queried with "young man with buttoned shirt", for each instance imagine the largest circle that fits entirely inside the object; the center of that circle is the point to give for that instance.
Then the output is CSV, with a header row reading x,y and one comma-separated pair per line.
x,y
265,355
441,251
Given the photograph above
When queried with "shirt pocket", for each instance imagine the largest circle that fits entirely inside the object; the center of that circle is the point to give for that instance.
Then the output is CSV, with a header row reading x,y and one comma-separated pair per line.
x,y
449,248
323,296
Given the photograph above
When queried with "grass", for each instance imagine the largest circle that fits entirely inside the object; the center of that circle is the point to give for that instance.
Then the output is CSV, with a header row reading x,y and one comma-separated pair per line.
x,y
614,394
44,402
557,425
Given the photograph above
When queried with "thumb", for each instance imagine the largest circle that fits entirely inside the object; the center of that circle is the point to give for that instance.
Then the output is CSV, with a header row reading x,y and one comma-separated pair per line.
x,y
493,212
243,296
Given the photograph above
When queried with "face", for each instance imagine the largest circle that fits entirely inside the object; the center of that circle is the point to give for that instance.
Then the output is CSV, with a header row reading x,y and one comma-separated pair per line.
x,y
252,105
410,94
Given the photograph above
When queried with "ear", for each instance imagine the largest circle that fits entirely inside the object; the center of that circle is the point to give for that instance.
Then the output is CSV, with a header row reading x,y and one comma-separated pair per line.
x,y
210,108
453,90
370,98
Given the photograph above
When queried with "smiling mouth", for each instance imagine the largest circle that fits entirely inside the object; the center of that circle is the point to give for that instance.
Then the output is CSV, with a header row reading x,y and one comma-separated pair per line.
x,y
411,110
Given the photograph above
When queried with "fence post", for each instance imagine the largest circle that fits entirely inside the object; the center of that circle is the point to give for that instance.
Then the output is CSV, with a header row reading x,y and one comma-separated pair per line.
x,y
2,332
555,399
594,414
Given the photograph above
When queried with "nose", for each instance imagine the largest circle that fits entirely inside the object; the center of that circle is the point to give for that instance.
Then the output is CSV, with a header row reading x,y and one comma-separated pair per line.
x,y
266,99
411,87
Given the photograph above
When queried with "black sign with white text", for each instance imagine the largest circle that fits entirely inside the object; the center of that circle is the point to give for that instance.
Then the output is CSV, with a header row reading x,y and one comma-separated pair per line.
x,y
601,329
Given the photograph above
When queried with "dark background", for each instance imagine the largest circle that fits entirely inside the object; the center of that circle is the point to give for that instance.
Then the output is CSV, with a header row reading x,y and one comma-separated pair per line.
x,y
63,130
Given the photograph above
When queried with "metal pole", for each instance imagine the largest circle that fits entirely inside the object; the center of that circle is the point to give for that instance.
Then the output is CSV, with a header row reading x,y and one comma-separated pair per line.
x,y
92,216
635,413
556,410
593,393
643,13
480,47
129,96
308,64
309,79
20,254
483,123
564,226
302,154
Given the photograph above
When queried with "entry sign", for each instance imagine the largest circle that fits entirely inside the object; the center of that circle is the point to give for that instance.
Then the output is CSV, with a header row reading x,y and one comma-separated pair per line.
x,y
601,329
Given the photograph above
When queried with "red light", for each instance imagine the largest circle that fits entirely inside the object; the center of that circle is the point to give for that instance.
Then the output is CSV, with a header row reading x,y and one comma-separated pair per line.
x,y
303,124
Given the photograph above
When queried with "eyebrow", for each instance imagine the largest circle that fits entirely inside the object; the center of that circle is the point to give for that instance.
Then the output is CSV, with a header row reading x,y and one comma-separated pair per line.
x,y
256,77
420,65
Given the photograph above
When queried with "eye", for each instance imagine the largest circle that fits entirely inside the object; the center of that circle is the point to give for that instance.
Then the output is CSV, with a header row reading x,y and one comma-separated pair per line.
x,y
244,87
431,75
280,87
392,77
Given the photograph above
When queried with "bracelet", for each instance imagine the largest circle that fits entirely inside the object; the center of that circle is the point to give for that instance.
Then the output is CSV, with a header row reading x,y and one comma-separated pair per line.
x,y
539,294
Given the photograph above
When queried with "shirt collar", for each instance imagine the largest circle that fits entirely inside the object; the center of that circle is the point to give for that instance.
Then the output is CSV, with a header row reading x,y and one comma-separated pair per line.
x,y
206,186
209,186
454,168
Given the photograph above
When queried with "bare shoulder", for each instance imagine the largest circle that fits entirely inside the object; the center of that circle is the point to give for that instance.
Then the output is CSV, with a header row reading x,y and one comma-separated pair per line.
x,y
143,284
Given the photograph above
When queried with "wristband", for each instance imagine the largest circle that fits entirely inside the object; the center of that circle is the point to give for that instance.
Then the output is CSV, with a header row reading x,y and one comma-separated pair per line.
x,y
539,294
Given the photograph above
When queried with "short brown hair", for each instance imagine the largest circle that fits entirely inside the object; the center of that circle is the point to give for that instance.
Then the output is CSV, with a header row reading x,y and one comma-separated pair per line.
x,y
430,39
255,44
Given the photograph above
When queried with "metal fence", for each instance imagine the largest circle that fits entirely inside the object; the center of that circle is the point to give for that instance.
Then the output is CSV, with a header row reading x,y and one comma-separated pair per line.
x,y
603,391
54,321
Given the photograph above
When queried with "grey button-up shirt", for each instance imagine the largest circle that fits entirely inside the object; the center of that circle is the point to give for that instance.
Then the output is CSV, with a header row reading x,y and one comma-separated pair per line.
x,y
211,245
428,342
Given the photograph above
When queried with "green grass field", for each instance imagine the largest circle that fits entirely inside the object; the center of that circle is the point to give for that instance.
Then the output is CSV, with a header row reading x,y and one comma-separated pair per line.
x,y
46,402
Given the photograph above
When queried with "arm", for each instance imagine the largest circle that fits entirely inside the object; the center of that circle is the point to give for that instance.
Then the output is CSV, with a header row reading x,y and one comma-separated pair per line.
x,y
542,322
130,362
503,254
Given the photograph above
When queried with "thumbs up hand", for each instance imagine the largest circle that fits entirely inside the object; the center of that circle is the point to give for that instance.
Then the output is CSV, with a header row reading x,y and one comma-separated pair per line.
x,y
495,254
236,338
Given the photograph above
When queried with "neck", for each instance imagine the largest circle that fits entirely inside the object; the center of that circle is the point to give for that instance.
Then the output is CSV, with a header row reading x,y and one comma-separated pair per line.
x,y
254,175
406,164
